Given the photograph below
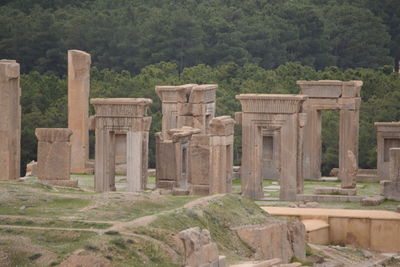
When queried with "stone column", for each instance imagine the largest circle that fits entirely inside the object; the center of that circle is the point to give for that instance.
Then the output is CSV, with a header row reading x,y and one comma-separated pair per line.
x,y
78,107
391,188
221,155
312,144
54,156
10,120
348,139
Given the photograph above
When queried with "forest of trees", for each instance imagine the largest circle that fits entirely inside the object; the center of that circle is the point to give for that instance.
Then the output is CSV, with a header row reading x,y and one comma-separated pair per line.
x,y
252,46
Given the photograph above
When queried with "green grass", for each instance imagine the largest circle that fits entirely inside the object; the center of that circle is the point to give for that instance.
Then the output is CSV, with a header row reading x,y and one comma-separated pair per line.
x,y
53,223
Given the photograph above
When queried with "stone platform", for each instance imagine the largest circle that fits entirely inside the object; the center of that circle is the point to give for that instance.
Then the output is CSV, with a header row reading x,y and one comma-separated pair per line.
x,y
367,229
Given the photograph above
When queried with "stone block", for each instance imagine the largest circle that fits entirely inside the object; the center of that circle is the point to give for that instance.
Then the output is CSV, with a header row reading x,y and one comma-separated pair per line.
x,y
66,183
335,191
180,192
372,201
31,169
222,261
54,153
222,126
210,252
200,189
391,190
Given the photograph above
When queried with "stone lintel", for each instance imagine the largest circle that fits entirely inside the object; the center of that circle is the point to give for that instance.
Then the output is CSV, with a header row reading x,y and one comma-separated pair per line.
x,y
271,103
387,127
121,101
330,88
53,134
174,94
121,107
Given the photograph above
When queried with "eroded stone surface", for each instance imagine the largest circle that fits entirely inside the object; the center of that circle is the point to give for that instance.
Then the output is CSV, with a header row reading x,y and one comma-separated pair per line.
x,y
128,117
10,118
194,150
278,117
78,107
54,154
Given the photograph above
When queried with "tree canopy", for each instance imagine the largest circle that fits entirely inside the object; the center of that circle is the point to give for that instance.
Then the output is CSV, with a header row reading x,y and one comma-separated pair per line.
x,y
130,35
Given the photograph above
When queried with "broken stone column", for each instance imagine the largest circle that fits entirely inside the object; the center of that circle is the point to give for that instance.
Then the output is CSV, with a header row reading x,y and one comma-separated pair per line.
x,y
54,156
10,120
78,107
121,116
391,188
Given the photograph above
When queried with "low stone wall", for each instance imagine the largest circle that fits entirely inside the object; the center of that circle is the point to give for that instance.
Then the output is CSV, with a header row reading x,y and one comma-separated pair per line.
x,y
368,229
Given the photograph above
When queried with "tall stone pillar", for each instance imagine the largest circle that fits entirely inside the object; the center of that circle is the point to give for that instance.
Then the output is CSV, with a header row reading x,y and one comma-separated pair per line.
x,y
348,140
10,120
78,107
391,188
312,148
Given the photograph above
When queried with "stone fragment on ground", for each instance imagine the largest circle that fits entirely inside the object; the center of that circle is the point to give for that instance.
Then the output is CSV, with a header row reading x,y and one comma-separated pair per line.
x,y
372,201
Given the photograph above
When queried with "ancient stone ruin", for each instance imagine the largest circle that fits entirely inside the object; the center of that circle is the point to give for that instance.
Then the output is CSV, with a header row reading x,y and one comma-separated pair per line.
x,y
194,150
271,125
387,137
121,116
199,250
391,187
10,117
54,156
78,107
331,95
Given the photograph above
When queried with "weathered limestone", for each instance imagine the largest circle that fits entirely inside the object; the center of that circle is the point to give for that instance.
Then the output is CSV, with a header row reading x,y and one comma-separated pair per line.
x,y
391,188
278,116
54,156
121,116
198,248
388,136
78,107
331,95
194,151
10,120
31,169
279,239
172,158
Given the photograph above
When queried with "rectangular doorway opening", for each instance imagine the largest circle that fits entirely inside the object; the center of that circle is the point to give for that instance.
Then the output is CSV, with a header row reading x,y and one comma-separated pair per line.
x,y
329,141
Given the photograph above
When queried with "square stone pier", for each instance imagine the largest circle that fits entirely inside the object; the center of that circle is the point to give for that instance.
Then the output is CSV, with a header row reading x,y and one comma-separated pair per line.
x,y
272,116
10,120
54,156
78,107
391,188
331,95
387,137
121,116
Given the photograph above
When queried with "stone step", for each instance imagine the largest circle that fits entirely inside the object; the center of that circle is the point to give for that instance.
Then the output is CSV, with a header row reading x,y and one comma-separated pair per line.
x,y
328,198
317,231
335,191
